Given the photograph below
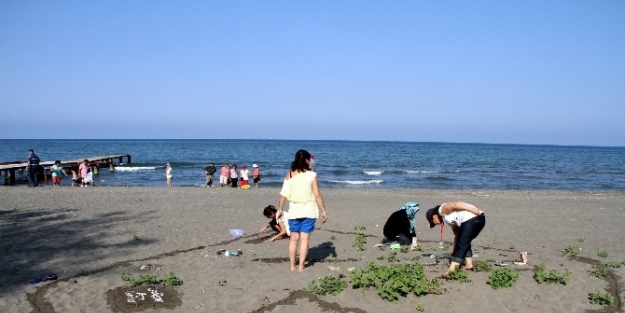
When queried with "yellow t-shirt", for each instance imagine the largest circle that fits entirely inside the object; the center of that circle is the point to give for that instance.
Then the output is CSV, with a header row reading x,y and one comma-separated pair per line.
x,y
299,192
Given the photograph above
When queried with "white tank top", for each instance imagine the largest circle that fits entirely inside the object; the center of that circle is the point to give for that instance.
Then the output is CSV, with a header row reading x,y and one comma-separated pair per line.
x,y
456,218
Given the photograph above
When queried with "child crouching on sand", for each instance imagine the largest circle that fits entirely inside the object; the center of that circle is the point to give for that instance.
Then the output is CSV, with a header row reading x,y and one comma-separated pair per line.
x,y
279,224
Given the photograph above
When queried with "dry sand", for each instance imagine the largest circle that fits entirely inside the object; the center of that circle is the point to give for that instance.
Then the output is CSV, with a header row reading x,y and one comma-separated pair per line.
x,y
88,236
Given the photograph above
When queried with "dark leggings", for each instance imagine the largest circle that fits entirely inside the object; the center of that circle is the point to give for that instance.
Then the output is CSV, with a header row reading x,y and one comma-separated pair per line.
x,y
468,231
234,182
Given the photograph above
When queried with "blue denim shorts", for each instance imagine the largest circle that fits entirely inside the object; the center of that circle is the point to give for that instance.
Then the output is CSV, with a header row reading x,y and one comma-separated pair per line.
x,y
302,225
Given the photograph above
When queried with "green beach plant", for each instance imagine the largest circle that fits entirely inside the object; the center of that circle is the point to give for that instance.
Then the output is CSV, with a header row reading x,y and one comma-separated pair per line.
x,y
599,297
360,241
551,277
459,275
602,253
327,285
571,251
394,280
419,307
483,266
392,257
600,271
172,280
150,279
503,278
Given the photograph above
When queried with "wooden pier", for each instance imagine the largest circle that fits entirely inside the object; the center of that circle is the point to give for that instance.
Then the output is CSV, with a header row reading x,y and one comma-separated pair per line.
x,y
8,169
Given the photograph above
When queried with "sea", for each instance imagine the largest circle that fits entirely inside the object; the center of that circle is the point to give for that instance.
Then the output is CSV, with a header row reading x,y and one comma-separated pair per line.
x,y
347,164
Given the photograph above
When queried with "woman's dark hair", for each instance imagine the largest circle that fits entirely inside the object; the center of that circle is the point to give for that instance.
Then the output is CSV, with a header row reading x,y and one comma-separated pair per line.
x,y
300,164
57,162
269,210
234,165
429,215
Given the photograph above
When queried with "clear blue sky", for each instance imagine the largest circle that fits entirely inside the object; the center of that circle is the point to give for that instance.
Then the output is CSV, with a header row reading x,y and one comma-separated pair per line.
x,y
530,72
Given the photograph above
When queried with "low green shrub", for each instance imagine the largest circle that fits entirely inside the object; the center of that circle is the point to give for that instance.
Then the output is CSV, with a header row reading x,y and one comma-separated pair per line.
x,y
392,257
599,297
571,251
503,278
602,253
327,285
459,275
551,277
144,279
483,266
394,280
172,280
360,241
600,271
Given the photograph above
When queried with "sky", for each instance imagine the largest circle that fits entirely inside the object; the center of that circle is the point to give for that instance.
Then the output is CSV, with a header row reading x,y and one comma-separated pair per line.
x,y
525,72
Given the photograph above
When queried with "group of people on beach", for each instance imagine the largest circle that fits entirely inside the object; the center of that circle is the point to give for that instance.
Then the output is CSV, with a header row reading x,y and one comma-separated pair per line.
x,y
228,175
231,176
81,174
301,190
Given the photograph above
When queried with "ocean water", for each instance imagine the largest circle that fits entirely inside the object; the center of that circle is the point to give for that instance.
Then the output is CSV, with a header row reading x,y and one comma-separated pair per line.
x,y
350,164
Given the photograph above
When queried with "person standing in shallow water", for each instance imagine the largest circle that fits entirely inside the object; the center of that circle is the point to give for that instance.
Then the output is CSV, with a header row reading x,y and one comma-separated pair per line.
x,y
210,172
301,189
256,175
234,176
466,221
169,175
224,175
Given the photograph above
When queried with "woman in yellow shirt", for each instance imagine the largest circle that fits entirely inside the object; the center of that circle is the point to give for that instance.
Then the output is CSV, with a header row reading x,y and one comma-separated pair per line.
x,y
301,190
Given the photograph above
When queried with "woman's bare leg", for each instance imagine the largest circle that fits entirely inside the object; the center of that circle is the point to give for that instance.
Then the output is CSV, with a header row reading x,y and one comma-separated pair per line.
x,y
303,249
293,248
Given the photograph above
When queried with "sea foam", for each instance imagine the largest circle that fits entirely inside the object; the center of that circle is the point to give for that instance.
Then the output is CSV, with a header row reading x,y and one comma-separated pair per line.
x,y
373,173
357,182
134,168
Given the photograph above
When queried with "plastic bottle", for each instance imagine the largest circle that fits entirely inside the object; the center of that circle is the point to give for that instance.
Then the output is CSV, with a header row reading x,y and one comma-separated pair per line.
x,y
232,253
441,245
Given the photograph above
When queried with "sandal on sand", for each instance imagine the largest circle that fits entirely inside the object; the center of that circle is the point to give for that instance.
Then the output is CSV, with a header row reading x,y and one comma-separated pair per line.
x,y
42,278
51,276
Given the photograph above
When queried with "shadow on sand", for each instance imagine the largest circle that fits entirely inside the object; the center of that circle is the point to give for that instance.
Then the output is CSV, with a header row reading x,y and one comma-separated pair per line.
x,y
44,241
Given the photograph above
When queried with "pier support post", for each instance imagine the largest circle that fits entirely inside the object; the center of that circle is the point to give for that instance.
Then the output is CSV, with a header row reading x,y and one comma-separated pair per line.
x,y
95,169
111,166
9,177
42,171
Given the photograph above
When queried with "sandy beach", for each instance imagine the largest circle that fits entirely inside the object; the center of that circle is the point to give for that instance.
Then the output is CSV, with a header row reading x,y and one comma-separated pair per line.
x,y
89,236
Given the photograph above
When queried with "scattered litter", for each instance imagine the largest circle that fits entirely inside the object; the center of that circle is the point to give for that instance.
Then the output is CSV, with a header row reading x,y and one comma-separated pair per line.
x,y
334,268
378,245
236,232
395,246
523,255
500,264
351,269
